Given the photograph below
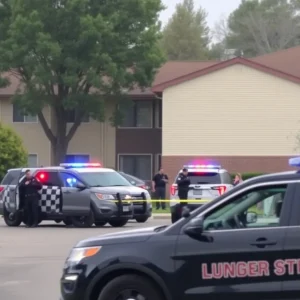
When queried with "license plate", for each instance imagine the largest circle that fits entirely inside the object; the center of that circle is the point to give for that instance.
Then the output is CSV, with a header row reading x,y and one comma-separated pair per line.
x,y
125,208
197,192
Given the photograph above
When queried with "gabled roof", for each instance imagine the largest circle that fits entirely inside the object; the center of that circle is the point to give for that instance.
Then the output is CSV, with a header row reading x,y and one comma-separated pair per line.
x,y
283,64
274,64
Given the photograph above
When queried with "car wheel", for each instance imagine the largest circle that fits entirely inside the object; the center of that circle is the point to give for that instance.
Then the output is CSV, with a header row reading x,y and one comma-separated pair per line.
x,y
12,219
100,223
57,221
118,223
84,221
174,217
130,287
67,221
141,219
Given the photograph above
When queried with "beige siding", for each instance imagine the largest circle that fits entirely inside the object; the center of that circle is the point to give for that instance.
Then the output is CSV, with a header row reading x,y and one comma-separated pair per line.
x,y
96,139
93,138
32,134
234,111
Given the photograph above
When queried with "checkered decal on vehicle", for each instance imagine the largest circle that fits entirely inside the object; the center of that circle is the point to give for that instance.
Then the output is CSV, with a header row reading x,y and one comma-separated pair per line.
x,y
50,199
5,197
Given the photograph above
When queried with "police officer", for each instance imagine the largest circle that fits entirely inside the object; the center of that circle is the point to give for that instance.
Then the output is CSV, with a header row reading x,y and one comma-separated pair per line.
x,y
29,189
183,182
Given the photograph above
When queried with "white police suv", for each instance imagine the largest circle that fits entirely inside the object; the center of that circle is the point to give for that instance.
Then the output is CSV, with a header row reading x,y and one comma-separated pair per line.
x,y
207,183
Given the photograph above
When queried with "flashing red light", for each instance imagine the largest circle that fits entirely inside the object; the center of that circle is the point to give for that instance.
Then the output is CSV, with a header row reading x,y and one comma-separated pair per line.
x,y
42,176
173,189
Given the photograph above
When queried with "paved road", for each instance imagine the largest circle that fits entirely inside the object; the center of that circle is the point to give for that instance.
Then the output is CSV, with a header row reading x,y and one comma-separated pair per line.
x,y
31,260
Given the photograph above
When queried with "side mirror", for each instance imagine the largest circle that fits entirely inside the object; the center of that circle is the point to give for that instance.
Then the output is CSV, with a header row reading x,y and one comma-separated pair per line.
x,y
251,217
80,186
194,229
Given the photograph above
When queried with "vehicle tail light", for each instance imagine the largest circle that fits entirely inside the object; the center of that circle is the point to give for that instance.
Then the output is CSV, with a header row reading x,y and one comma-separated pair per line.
x,y
173,189
145,187
2,188
221,189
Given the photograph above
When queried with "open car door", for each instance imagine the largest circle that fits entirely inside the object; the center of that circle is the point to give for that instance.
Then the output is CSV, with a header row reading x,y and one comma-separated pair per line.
x,y
75,197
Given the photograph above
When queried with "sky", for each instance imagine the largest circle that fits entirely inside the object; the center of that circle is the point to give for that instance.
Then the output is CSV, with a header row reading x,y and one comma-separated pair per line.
x,y
214,8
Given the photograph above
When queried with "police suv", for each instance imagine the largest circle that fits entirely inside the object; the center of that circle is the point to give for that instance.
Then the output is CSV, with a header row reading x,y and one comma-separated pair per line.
x,y
245,244
207,183
78,194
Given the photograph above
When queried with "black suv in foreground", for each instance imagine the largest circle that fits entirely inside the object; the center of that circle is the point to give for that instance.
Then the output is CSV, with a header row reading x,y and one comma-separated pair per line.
x,y
244,244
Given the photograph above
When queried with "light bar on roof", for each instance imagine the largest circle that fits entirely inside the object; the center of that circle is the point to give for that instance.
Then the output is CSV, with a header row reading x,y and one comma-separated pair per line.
x,y
80,165
294,162
202,166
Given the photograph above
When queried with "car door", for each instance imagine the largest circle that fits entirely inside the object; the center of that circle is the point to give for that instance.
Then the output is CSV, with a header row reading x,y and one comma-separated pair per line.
x,y
291,273
76,201
231,259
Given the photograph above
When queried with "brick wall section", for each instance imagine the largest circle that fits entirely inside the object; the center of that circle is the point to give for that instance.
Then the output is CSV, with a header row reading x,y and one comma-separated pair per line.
x,y
241,164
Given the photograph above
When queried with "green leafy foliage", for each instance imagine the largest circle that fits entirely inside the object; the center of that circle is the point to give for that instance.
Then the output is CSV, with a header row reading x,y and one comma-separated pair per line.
x,y
186,35
12,151
79,55
263,26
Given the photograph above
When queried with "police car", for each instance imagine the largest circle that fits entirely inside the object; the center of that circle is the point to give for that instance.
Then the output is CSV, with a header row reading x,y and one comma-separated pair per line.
x,y
78,194
245,244
207,183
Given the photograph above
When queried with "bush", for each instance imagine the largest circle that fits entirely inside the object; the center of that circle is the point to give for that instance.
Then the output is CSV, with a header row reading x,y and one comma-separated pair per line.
x,y
12,151
246,176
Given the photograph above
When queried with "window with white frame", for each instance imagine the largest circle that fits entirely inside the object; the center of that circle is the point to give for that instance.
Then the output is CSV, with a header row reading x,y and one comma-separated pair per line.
x,y
32,160
138,165
139,114
158,159
20,117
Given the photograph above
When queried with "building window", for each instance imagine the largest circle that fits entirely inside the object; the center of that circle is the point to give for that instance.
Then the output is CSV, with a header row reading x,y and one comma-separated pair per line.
x,y
139,115
20,117
160,114
77,158
158,161
137,165
32,161
71,114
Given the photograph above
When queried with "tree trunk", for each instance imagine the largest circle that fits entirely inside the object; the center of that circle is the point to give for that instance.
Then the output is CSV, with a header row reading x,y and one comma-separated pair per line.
x,y
59,151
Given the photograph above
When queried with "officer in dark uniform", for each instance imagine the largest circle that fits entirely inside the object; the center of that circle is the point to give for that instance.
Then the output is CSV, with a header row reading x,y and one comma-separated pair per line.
x,y
183,182
29,188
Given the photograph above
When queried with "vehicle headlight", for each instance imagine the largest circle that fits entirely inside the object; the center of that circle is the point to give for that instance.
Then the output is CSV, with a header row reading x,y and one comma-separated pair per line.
x,y
78,254
104,196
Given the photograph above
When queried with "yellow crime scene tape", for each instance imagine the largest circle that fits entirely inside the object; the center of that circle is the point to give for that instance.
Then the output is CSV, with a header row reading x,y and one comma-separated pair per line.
x,y
175,200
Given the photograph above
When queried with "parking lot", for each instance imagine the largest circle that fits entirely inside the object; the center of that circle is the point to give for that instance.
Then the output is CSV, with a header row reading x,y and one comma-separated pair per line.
x,y
31,260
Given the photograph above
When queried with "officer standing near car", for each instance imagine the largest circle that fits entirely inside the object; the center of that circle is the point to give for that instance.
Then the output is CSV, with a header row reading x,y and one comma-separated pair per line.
x,y
183,183
159,182
29,189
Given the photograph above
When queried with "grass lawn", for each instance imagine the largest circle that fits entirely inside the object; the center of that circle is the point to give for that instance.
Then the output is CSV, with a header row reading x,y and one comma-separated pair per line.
x,y
160,211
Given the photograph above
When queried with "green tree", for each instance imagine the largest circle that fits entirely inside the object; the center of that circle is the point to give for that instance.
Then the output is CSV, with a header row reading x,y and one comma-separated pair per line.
x,y
263,26
12,151
77,55
186,35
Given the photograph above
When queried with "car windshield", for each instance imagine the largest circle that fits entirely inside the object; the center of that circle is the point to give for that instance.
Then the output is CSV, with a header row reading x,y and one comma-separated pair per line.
x,y
104,179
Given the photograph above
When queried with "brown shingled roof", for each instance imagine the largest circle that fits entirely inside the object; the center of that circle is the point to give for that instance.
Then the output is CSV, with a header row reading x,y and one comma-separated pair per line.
x,y
282,63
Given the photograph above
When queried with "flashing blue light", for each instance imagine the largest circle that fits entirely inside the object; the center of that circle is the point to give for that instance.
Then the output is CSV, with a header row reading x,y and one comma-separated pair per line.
x,y
202,166
81,165
294,162
71,181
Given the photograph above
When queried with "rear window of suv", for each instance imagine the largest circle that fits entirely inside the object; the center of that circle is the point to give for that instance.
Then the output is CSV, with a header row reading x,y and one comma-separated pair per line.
x,y
204,178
